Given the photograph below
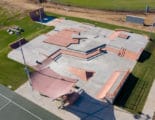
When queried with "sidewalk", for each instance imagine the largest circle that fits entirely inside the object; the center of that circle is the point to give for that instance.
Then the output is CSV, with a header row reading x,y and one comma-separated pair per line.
x,y
26,91
149,107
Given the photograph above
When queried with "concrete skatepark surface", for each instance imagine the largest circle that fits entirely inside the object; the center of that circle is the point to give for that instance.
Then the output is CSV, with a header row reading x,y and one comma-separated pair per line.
x,y
109,54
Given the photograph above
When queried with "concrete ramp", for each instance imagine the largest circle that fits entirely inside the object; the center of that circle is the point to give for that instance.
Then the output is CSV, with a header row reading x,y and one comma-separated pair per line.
x,y
104,90
62,38
51,84
113,85
81,73
114,35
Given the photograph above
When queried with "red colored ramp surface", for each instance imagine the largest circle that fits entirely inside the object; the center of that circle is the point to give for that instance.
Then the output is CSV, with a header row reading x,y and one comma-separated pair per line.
x,y
66,52
113,85
124,36
122,52
120,84
114,35
133,55
63,38
51,84
81,73
104,90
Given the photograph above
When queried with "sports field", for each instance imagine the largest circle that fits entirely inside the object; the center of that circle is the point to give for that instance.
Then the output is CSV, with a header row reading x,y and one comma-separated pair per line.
x,y
15,107
122,5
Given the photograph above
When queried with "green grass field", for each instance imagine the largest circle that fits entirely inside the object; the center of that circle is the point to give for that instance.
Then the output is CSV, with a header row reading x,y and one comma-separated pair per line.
x,y
123,5
12,73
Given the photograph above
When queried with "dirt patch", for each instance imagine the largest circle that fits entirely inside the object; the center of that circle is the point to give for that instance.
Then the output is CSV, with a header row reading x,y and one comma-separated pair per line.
x,y
116,18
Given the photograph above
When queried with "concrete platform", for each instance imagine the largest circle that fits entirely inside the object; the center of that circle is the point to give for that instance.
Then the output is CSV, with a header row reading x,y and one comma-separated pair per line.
x,y
97,53
33,50
103,66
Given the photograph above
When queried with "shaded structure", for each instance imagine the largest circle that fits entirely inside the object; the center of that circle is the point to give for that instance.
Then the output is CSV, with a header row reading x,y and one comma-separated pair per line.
x,y
40,16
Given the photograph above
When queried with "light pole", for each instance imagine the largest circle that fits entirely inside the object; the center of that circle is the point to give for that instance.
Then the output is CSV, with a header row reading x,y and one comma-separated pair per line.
x,y
151,31
41,2
18,31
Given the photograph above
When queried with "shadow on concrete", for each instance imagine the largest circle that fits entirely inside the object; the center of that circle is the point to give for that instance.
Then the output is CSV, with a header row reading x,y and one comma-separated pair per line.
x,y
88,108
144,56
126,90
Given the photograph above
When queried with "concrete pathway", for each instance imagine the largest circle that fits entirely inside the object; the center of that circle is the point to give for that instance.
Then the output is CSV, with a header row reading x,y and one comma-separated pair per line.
x,y
149,108
110,112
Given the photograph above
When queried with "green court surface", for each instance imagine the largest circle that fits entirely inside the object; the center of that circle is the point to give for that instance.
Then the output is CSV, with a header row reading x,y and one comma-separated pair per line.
x,y
15,107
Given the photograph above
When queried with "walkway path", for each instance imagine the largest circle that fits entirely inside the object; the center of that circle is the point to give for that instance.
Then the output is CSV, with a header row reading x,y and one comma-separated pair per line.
x,y
26,91
149,108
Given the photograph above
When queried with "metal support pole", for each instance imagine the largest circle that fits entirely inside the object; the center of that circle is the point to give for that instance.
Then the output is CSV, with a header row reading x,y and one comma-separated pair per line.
x,y
25,66
151,29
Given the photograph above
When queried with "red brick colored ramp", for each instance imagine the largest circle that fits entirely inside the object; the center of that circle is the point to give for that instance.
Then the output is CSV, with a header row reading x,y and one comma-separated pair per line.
x,y
104,90
114,35
119,51
81,73
133,55
126,74
51,84
75,54
63,38
111,49
122,52
65,52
